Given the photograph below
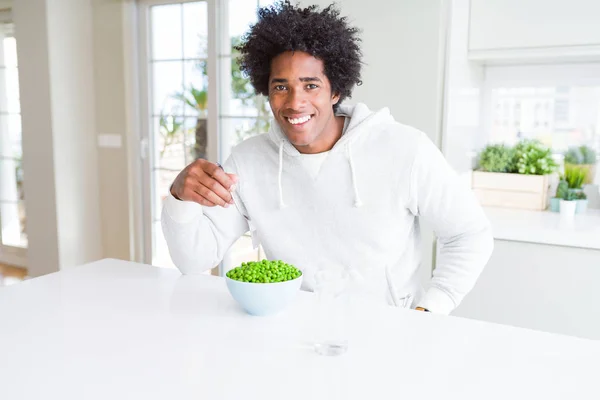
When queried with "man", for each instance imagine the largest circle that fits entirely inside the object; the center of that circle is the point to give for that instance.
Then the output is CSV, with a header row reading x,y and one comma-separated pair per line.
x,y
329,184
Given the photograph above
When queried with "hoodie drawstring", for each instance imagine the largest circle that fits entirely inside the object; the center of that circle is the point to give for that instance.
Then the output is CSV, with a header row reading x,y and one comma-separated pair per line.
x,y
357,201
281,202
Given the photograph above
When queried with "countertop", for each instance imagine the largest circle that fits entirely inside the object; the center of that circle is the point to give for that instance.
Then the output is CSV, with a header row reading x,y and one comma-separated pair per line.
x,y
546,227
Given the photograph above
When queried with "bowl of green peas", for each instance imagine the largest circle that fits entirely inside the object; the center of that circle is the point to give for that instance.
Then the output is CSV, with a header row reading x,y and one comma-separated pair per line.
x,y
264,287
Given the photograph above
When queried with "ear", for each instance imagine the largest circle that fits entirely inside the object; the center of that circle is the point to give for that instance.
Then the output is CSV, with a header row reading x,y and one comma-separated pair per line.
x,y
335,98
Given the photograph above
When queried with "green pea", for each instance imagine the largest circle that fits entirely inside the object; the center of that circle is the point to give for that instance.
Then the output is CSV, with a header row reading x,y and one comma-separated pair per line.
x,y
264,271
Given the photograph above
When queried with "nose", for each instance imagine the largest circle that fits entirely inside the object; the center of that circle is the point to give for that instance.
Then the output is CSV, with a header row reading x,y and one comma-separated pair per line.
x,y
296,99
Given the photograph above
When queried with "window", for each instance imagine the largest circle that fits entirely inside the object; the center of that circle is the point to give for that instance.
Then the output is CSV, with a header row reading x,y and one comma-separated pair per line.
x,y
556,104
177,115
242,113
177,87
12,206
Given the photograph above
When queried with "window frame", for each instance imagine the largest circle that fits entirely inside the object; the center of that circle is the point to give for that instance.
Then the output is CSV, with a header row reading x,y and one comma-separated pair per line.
x,y
146,108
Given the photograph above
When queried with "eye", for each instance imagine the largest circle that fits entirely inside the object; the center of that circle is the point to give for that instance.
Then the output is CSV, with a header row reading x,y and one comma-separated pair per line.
x,y
311,86
279,88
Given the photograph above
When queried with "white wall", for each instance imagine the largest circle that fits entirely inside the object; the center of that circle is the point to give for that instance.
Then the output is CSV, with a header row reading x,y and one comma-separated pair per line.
x,y
115,185
76,160
403,44
60,158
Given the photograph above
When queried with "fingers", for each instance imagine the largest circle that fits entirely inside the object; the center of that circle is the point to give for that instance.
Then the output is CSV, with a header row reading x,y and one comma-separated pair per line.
x,y
193,196
205,183
235,179
212,195
218,174
218,194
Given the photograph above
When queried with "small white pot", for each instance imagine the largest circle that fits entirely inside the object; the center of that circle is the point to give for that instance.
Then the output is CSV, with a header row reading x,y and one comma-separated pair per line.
x,y
567,208
581,206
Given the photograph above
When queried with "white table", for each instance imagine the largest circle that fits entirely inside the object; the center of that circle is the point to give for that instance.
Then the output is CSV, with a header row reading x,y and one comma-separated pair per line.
x,y
119,330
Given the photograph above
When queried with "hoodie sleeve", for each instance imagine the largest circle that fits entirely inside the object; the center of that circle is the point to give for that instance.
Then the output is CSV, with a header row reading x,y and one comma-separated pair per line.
x,y
197,236
463,231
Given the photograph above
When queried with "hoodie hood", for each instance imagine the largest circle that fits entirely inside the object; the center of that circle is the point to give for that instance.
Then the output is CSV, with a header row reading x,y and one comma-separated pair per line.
x,y
362,120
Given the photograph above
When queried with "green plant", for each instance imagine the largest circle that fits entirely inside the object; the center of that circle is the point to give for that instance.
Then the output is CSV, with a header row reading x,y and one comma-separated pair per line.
x,y
19,169
589,155
198,100
241,87
242,90
533,158
195,98
573,156
580,155
571,195
496,158
562,189
169,129
575,176
580,195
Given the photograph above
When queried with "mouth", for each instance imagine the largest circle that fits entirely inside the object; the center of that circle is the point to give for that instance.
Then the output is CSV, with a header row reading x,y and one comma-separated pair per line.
x,y
300,120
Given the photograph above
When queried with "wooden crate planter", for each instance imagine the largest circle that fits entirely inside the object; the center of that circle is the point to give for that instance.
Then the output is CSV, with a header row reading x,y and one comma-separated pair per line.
x,y
529,192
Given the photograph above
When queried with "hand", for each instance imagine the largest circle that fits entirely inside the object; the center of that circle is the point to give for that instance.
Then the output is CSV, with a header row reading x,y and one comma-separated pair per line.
x,y
205,183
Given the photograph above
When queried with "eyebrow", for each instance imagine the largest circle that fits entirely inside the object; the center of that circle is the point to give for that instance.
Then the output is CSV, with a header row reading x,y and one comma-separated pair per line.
x,y
307,79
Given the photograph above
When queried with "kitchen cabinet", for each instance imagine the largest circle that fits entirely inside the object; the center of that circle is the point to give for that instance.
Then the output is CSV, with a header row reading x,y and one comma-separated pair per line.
x,y
544,287
528,30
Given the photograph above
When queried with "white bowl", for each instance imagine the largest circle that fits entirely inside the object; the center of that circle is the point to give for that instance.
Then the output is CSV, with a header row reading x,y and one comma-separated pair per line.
x,y
264,298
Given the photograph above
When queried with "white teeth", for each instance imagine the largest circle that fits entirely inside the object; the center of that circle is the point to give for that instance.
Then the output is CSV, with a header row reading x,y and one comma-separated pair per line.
x,y
295,121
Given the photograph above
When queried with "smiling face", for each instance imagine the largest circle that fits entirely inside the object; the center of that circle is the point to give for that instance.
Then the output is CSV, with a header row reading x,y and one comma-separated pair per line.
x,y
302,102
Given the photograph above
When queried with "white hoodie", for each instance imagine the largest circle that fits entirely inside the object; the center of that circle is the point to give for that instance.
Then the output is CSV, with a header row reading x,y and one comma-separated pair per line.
x,y
357,211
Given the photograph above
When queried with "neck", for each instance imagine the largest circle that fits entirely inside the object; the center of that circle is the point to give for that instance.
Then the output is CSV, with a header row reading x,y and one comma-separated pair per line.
x,y
327,139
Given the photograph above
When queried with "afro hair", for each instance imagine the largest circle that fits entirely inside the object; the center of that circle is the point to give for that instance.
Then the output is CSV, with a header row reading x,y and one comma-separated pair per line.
x,y
323,34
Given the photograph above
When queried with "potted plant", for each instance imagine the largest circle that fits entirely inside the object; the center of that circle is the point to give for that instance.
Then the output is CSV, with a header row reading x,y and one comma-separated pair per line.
x,y
561,193
514,177
575,176
582,202
583,157
532,158
496,158
568,205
